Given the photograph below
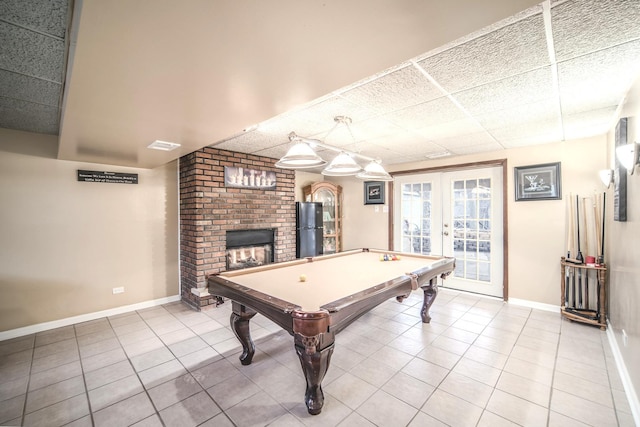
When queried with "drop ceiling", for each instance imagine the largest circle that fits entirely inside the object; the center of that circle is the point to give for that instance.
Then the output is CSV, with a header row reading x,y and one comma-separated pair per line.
x,y
416,78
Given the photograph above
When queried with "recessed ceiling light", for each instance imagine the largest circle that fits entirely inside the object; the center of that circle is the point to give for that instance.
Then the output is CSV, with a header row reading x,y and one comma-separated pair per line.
x,y
438,155
163,145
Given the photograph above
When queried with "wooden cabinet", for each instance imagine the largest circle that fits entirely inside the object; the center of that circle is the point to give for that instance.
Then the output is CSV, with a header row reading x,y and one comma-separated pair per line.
x,y
584,293
330,195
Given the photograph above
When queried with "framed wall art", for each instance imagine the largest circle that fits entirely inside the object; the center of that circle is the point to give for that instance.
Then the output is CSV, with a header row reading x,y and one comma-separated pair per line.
x,y
374,193
538,182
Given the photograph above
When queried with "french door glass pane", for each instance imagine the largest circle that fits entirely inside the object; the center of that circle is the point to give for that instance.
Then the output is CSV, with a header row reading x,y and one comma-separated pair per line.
x,y
472,228
416,218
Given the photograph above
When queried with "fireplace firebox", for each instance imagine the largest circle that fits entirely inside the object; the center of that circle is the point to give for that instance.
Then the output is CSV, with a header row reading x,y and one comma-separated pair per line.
x,y
249,248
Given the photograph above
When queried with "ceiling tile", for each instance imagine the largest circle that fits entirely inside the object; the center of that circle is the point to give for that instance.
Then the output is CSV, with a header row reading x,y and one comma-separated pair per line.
x,y
438,111
598,79
394,91
455,143
251,142
19,86
45,16
508,51
513,91
26,52
580,27
477,148
589,123
443,130
21,115
317,119
533,132
542,111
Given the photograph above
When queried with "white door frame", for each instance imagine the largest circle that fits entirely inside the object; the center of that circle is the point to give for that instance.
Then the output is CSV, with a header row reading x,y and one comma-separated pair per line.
x,y
450,168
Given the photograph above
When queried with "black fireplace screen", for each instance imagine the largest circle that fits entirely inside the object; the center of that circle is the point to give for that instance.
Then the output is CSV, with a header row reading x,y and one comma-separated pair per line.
x,y
249,248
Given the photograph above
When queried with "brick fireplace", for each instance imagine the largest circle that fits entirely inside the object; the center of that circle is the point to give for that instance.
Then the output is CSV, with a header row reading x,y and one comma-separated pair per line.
x,y
209,209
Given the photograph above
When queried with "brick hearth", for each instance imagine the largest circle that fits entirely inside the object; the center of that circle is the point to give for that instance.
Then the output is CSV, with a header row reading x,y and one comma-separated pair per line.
x,y
208,209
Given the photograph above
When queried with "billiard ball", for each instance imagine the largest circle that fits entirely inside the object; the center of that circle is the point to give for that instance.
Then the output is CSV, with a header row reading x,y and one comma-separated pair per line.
x,y
303,277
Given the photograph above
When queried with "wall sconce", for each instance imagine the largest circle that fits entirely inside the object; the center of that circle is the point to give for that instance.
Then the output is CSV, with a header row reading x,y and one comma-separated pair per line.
x,y
628,156
606,175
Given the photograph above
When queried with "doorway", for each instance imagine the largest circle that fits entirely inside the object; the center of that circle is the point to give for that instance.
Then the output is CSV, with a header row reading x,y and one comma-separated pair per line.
x,y
458,213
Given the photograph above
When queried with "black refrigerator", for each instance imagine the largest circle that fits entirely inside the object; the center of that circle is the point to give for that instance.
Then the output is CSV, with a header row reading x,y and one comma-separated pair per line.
x,y
309,229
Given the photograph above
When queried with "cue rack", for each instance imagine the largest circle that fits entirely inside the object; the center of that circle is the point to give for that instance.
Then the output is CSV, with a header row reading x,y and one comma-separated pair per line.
x,y
583,279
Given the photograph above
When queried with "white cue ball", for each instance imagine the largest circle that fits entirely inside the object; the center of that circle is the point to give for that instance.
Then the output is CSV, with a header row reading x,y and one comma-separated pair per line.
x,y
303,277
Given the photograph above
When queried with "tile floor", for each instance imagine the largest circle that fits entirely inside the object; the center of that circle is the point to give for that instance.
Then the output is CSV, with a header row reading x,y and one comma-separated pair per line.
x,y
478,363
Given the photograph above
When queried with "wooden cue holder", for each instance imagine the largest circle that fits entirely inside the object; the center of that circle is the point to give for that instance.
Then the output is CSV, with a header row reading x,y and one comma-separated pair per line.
x,y
584,293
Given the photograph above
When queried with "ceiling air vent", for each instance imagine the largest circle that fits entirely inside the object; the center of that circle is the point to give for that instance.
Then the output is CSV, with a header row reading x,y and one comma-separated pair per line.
x,y
163,145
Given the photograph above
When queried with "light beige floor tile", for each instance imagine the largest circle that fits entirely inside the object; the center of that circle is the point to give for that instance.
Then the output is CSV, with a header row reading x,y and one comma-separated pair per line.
x,y
382,409
559,420
423,420
489,419
233,390
425,371
517,410
524,388
467,389
350,390
580,370
356,420
583,388
173,391
459,334
452,410
477,371
60,413
260,409
54,393
108,374
547,360
582,410
373,372
116,391
439,356
450,345
486,357
529,370
408,389
392,357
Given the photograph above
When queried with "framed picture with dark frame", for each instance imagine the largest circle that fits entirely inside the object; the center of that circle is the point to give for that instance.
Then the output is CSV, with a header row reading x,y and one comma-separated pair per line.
x,y
538,182
374,193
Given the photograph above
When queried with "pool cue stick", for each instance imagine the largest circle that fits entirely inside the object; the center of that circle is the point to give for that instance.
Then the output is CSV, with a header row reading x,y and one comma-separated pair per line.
x,y
566,267
601,261
587,226
579,257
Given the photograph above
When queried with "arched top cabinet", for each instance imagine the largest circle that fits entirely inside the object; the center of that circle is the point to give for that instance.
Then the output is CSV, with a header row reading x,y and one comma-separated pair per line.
x,y
330,195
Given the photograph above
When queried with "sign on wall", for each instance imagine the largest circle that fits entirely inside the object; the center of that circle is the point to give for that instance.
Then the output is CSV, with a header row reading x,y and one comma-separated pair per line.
x,y
108,177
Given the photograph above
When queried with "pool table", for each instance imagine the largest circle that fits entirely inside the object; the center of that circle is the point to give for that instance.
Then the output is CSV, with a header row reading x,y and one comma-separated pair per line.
x,y
315,298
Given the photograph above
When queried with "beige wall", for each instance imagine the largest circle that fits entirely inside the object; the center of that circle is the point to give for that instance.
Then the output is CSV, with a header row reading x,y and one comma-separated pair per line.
x,y
537,229
622,253
66,244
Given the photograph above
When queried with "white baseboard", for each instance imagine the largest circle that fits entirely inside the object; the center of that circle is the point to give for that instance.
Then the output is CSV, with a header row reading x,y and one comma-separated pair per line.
x,y
32,329
533,304
632,396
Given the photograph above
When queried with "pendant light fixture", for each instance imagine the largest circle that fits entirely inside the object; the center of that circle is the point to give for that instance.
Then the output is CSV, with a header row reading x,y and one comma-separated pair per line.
x,y
302,156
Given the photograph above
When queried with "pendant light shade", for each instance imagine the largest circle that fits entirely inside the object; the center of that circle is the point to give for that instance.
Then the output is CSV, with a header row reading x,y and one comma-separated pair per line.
x,y
342,165
374,171
300,156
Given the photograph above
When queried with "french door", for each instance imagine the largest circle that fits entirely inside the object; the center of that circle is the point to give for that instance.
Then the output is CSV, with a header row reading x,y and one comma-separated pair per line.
x,y
457,214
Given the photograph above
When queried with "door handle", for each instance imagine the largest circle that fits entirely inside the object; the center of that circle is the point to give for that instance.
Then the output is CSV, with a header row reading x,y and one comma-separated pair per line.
x,y
446,233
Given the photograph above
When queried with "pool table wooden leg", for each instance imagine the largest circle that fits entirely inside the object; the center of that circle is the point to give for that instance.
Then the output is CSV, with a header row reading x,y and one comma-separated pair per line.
x,y
315,355
430,293
240,317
